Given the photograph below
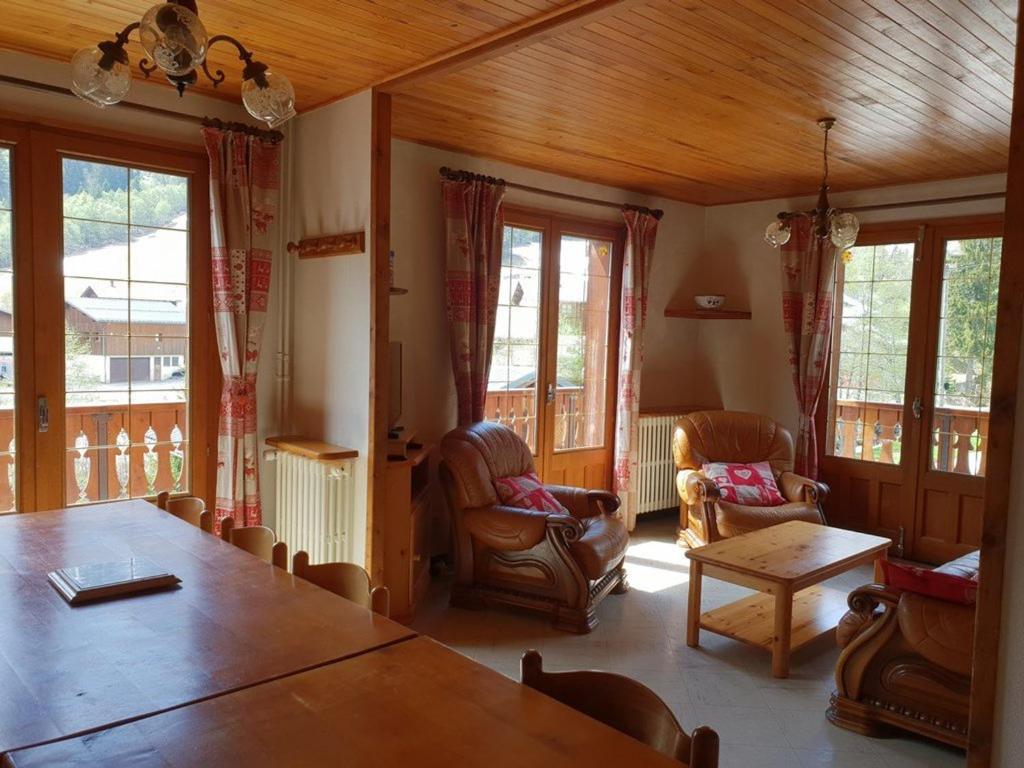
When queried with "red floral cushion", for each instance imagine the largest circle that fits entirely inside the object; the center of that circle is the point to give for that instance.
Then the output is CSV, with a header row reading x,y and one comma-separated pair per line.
x,y
526,492
752,485
922,581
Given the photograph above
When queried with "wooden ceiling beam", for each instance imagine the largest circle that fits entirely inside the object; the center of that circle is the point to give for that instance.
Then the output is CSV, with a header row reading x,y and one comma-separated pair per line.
x,y
504,41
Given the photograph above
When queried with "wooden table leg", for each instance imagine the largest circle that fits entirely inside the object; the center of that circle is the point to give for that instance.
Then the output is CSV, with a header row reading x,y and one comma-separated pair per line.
x,y
693,605
879,570
783,632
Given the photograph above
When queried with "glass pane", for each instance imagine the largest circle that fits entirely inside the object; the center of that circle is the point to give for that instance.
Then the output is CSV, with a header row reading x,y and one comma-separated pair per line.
x,y
159,255
95,191
126,331
8,475
870,369
159,200
515,358
584,296
963,368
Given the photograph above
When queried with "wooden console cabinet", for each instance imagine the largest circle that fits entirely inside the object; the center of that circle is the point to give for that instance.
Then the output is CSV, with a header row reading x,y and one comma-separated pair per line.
x,y
408,516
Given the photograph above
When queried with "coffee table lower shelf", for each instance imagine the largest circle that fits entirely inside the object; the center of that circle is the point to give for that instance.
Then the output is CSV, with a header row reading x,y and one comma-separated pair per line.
x,y
816,611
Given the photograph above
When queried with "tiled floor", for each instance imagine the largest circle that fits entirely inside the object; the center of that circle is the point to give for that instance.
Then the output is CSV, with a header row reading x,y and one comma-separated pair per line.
x,y
762,722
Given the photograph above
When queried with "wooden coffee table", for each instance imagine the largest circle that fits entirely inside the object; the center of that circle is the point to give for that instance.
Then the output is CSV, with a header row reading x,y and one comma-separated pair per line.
x,y
786,565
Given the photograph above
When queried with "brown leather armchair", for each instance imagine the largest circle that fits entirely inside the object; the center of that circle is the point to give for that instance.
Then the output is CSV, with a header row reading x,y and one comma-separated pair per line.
x,y
732,436
906,662
563,564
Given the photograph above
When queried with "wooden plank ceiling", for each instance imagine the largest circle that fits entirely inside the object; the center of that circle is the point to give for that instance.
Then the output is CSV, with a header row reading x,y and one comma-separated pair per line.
x,y
706,101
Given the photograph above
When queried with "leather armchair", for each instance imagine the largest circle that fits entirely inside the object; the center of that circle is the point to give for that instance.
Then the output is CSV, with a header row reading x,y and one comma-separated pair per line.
x,y
906,662
561,563
732,436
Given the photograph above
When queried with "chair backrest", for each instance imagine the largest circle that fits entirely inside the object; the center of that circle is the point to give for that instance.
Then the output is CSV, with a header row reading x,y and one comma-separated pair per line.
x,y
627,706
256,540
346,580
732,436
191,509
475,455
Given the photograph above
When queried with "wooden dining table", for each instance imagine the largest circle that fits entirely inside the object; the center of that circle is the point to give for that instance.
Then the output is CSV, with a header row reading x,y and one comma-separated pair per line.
x,y
233,622
412,703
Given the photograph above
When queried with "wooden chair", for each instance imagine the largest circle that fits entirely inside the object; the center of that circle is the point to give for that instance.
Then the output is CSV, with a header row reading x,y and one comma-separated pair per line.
x,y
627,706
256,540
191,509
346,580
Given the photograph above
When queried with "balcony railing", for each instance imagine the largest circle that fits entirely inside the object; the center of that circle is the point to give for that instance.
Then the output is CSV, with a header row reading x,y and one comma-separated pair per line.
x,y
874,432
517,410
112,453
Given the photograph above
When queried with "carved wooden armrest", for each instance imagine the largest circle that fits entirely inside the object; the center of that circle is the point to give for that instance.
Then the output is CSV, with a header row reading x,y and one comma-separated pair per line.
x,y
799,488
695,488
569,527
866,599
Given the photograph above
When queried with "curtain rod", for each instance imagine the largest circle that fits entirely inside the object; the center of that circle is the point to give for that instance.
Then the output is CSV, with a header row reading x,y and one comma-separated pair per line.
x,y
448,173
933,201
33,85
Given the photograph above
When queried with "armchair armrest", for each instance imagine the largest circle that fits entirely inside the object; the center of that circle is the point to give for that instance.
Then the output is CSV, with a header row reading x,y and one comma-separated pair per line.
x,y
513,529
864,602
583,503
799,488
694,488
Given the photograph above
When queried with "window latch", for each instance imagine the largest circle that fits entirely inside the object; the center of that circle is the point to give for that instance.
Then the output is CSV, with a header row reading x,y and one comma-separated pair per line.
x,y
44,414
551,393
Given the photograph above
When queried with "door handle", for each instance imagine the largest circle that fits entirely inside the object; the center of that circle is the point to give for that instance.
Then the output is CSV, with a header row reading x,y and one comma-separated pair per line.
x,y
550,397
43,413
917,408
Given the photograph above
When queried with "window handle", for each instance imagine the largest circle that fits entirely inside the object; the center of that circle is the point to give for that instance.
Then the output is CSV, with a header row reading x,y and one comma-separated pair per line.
x,y
551,393
44,414
916,408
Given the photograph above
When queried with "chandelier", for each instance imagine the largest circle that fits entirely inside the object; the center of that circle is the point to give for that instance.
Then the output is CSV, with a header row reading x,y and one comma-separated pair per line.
x,y
829,223
176,43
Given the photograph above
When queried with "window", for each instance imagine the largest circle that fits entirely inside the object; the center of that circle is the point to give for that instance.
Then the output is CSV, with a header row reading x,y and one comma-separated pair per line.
x,y
873,291
8,446
126,288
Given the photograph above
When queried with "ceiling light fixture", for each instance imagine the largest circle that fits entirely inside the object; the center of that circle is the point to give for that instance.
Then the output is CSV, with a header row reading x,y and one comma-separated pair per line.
x,y
829,223
176,42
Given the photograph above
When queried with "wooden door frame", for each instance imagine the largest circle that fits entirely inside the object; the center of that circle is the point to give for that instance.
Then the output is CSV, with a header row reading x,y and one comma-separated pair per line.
x,y
1002,419
47,144
18,137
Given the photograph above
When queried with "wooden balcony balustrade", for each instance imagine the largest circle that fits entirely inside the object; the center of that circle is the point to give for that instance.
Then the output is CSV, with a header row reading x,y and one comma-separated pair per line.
x,y
517,410
112,453
959,440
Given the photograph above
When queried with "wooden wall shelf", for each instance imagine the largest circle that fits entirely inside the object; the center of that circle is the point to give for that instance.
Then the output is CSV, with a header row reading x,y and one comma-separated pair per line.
x,y
311,448
708,314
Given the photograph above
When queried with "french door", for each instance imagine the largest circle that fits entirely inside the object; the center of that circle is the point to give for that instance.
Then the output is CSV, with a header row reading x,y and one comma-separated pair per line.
x,y
906,427
553,373
105,356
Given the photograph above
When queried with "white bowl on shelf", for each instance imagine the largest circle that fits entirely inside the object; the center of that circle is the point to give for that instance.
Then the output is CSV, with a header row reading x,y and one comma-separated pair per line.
x,y
709,301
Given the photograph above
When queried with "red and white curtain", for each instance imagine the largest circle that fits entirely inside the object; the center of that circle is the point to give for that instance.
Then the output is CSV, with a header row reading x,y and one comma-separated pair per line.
x,y
244,198
808,294
641,231
473,230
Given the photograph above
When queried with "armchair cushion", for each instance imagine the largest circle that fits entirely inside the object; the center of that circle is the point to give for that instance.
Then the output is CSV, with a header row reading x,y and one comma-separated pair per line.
x,y
949,587
601,547
526,492
736,519
749,484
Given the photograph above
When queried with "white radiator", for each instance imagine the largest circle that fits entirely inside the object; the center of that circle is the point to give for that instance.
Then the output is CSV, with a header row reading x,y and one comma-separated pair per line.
x,y
315,508
656,470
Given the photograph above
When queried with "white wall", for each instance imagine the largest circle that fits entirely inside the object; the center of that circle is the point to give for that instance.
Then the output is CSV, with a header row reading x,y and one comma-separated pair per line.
x,y
736,261
418,319
331,312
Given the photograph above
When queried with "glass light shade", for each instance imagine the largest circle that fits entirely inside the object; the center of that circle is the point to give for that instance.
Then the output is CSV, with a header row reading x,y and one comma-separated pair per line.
x,y
843,230
93,83
777,233
174,38
272,102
